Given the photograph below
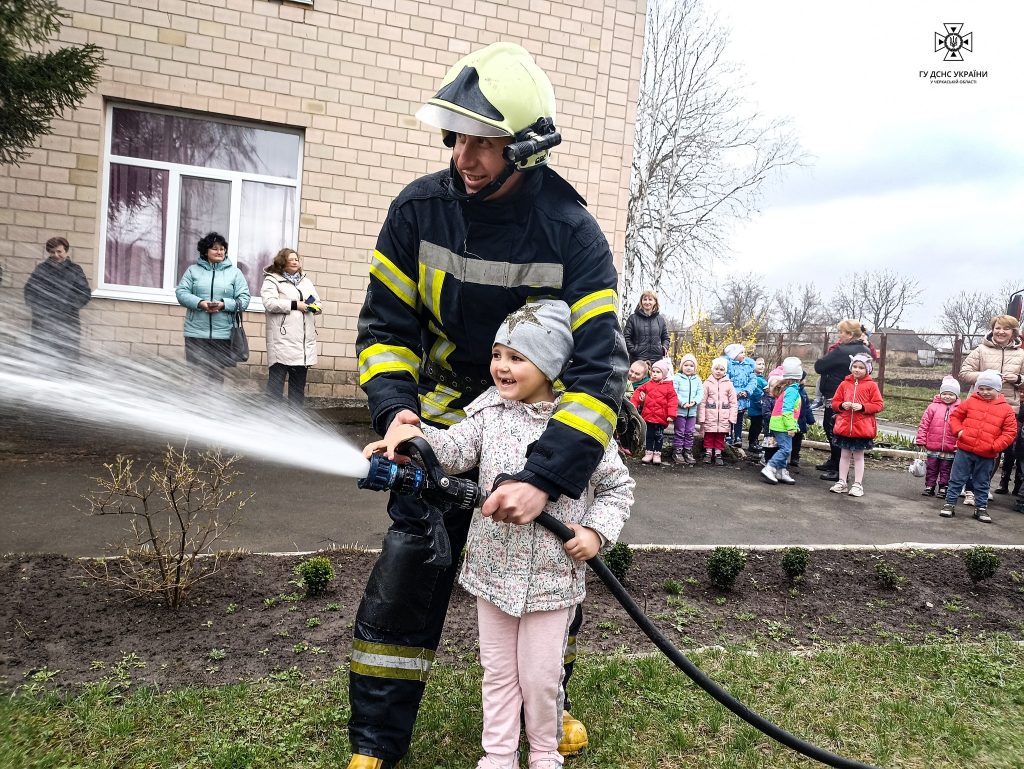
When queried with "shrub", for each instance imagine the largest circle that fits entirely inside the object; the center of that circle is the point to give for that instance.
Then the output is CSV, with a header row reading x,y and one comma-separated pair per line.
x,y
316,573
178,510
794,562
724,565
887,576
672,586
981,563
618,560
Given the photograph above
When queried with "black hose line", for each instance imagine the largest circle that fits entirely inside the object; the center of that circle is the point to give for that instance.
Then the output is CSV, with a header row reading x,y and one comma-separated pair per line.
x,y
698,676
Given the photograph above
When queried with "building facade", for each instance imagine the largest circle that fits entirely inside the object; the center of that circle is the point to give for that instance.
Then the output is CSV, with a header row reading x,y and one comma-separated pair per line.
x,y
285,124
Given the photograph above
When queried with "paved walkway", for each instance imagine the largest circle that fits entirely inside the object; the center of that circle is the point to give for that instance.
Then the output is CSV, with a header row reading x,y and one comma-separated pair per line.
x,y
41,507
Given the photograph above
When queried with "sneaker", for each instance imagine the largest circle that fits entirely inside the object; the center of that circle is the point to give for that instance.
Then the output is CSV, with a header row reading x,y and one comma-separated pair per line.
x,y
680,459
969,498
768,473
784,477
648,457
981,514
719,462
707,457
657,458
490,762
941,492
947,511
690,458
856,490
1019,507
839,487
929,492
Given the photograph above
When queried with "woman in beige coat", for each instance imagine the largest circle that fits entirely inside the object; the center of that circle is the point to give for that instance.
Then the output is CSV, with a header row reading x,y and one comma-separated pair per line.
x,y
291,302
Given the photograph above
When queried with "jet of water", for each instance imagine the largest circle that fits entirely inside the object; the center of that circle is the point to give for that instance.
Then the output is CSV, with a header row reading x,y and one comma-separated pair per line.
x,y
164,399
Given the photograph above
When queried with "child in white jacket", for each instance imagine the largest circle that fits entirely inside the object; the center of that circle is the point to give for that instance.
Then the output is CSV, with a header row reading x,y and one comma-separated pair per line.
x,y
526,581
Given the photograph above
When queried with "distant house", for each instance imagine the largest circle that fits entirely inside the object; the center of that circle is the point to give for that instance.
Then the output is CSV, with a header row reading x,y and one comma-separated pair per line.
x,y
904,347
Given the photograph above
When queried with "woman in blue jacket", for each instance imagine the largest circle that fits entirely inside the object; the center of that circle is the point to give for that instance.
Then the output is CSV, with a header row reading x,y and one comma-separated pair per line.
x,y
212,290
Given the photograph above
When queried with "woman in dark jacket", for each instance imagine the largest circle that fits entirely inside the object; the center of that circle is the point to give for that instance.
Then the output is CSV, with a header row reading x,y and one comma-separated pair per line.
x,y
55,292
645,332
832,368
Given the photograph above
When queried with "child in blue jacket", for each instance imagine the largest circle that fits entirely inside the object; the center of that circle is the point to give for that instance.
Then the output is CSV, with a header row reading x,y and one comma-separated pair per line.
x,y
689,392
754,411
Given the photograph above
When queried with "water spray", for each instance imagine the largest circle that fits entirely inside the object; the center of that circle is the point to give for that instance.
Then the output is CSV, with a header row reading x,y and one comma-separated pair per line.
x,y
423,477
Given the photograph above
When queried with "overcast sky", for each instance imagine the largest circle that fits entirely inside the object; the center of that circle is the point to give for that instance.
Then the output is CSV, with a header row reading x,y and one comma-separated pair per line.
x,y
920,177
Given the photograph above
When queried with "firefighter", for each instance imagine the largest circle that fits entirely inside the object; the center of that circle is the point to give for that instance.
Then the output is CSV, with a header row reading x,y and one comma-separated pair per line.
x,y
459,250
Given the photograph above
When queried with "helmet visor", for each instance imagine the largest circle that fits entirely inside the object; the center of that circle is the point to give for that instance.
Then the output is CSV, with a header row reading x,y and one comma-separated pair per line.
x,y
454,122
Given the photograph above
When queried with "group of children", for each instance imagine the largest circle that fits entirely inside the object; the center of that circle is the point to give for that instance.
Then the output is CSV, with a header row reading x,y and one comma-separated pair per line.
x,y
962,440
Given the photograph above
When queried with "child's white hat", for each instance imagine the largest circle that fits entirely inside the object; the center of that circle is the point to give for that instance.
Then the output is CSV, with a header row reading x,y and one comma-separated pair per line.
x,y
791,368
990,378
540,331
950,385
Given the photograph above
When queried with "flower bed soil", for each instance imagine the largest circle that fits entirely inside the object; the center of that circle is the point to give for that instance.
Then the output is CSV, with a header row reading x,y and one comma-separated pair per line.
x,y
251,620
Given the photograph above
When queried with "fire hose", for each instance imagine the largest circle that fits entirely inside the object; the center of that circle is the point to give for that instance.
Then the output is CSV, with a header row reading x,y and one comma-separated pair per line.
x,y
427,480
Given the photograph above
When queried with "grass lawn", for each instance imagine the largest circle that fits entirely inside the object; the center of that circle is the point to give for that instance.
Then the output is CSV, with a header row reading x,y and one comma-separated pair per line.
x,y
891,705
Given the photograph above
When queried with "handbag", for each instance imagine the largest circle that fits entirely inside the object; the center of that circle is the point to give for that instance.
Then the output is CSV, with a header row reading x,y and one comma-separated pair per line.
x,y
238,351
918,467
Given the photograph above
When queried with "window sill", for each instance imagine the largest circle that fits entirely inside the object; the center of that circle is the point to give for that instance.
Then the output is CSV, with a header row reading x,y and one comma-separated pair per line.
x,y
128,295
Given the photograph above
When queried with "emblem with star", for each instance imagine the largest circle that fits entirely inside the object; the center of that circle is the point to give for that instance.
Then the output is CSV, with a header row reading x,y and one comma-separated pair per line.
x,y
525,314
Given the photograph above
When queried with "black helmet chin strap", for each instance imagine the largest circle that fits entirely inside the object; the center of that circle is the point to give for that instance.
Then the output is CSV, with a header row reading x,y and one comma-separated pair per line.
x,y
457,187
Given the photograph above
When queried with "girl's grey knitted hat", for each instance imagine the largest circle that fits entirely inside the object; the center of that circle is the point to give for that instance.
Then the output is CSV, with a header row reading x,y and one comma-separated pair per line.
x,y
540,331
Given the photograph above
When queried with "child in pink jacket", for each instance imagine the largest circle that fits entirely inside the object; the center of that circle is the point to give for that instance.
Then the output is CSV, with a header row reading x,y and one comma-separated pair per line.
x,y
717,412
937,438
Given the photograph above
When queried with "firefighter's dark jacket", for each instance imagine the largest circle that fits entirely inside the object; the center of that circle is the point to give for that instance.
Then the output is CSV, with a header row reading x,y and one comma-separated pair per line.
x,y
446,273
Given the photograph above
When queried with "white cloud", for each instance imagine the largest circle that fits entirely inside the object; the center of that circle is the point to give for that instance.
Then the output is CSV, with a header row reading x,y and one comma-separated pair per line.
x,y
908,175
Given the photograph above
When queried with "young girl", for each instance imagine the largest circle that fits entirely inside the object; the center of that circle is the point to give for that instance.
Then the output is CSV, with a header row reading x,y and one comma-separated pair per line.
x,y
717,412
783,423
855,403
754,409
526,581
659,407
934,434
689,392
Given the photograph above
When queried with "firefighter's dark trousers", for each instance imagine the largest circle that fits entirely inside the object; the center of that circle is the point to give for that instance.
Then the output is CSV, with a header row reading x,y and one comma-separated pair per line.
x,y
398,627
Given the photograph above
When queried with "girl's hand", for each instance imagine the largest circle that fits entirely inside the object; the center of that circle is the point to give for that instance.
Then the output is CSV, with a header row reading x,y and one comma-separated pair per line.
x,y
689,405
402,429
584,545
300,306
857,406
790,433
847,405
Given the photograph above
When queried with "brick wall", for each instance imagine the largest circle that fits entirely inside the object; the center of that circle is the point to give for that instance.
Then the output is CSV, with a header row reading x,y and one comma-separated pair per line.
x,y
352,75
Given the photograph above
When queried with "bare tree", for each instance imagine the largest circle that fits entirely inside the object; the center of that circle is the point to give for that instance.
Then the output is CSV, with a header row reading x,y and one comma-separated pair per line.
x,y
880,297
740,301
798,308
700,154
968,314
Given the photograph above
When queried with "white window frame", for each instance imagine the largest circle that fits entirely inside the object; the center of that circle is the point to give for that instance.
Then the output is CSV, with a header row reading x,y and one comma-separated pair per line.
x,y
175,171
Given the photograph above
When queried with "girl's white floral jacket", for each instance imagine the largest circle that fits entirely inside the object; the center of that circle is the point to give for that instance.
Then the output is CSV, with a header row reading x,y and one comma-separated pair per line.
x,y
525,568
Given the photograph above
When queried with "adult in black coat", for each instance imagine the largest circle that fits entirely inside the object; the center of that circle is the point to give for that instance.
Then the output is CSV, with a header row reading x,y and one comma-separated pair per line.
x,y
832,368
646,334
55,292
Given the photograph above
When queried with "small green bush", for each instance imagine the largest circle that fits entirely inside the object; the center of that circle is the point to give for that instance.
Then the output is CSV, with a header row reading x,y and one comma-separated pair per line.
x,y
794,562
724,565
981,563
316,573
618,560
887,576
672,586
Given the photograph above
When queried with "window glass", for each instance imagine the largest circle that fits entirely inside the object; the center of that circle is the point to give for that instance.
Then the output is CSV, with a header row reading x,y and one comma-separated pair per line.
x,y
136,226
171,179
266,226
204,143
205,207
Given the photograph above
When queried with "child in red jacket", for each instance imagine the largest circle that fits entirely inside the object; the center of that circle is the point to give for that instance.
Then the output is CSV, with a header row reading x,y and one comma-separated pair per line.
x,y
984,425
855,403
660,405
938,439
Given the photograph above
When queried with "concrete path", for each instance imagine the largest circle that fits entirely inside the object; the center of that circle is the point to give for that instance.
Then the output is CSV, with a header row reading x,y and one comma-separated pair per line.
x,y
41,508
